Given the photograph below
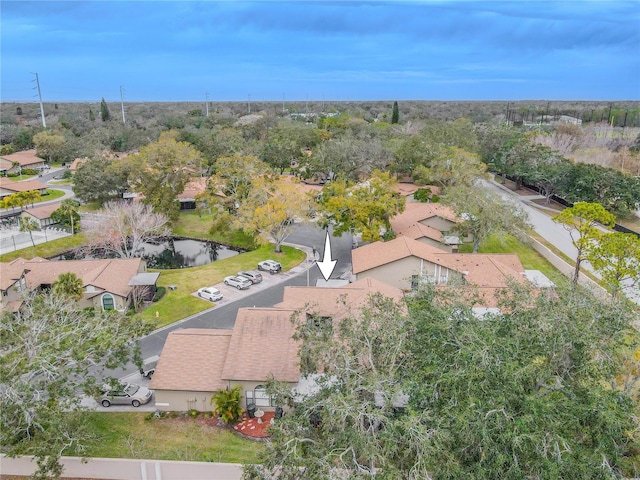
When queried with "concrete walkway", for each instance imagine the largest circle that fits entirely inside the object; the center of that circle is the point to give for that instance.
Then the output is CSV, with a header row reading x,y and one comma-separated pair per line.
x,y
127,469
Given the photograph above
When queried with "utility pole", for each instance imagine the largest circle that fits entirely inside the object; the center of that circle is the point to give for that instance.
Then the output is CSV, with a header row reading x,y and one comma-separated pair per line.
x,y
44,122
122,103
283,103
249,103
207,105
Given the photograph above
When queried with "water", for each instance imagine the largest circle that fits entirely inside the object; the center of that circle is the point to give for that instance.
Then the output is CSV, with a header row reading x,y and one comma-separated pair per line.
x,y
172,253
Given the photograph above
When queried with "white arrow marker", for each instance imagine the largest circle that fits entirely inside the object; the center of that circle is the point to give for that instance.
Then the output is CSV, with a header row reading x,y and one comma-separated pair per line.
x,y
327,265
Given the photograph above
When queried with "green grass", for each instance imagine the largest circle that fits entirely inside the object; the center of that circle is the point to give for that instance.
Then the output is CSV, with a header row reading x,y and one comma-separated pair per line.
x,y
48,249
193,225
129,435
180,303
52,194
530,259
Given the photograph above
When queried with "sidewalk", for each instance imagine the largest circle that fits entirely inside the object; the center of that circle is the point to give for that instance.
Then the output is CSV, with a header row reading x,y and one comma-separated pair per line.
x,y
127,469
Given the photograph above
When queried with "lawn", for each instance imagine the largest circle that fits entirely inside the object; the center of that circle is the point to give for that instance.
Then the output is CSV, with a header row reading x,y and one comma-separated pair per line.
x,y
194,225
180,303
48,249
136,435
530,259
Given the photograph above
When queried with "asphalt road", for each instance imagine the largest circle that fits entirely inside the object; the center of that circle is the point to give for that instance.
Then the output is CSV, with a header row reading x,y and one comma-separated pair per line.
x,y
265,294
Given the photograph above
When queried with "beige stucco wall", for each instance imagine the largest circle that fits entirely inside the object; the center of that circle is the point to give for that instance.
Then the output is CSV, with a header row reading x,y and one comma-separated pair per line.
x,y
14,292
398,274
435,243
182,401
439,223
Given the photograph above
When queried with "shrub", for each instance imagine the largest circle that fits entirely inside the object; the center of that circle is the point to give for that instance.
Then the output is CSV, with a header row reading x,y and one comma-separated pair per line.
x,y
422,194
193,413
227,404
160,292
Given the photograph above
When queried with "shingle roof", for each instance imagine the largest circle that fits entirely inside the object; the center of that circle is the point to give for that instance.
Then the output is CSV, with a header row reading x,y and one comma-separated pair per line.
x,y
22,186
261,346
336,301
10,273
192,359
415,212
418,230
26,157
43,212
111,275
482,270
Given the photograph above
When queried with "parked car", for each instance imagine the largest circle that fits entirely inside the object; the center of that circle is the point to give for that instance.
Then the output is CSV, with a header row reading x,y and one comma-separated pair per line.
x,y
210,293
127,394
149,367
255,277
270,266
237,281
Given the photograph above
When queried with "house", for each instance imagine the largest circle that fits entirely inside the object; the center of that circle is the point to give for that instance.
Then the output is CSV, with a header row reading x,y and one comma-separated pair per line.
x,y
195,363
41,214
15,162
106,282
9,187
429,223
12,286
76,163
405,263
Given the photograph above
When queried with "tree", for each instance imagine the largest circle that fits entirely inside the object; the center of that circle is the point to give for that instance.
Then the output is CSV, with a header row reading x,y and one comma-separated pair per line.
x,y
581,221
271,209
100,179
51,351
161,170
395,114
122,227
451,167
365,207
28,225
49,145
104,111
616,257
484,213
67,214
69,285
430,391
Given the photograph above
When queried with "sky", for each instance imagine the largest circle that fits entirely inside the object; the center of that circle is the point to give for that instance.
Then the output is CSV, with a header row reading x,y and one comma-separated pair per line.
x,y
320,50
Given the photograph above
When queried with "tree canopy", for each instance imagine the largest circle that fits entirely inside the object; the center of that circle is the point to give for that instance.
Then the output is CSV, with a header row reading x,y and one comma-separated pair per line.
x,y
434,392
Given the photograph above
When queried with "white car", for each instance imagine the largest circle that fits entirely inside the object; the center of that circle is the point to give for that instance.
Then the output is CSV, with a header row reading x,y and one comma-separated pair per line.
x,y
237,281
270,265
210,293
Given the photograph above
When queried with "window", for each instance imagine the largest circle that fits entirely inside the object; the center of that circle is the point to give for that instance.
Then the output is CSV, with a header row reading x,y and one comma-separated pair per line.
x,y
259,396
108,302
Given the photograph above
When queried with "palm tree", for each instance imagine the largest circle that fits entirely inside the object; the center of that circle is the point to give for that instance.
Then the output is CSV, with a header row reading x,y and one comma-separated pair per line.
x,y
69,284
32,196
28,225
69,208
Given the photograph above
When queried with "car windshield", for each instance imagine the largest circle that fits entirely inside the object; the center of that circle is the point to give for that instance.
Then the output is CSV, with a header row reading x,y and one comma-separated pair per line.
x,y
131,389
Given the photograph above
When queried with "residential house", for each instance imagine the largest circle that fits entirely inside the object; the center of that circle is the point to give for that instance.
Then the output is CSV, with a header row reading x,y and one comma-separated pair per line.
x,y
9,187
13,284
109,284
405,263
76,163
15,162
195,363
429,223
41,214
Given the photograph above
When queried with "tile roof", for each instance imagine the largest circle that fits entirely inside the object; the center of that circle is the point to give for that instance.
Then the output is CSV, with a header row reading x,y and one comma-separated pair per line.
x,y
261,346
24,158
112,275
192,359
415,212
22,186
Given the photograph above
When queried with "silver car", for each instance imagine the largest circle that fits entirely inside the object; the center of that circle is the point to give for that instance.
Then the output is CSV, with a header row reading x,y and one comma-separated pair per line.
x,y
255,277
128,394
210,293
237,281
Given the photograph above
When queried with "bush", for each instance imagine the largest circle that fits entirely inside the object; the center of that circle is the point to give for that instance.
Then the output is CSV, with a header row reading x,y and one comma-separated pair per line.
x,y
227,404
422,194
193,413
160,292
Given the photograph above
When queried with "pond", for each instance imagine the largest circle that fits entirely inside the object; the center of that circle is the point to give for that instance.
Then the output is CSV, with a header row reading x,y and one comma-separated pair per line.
x,y
172,253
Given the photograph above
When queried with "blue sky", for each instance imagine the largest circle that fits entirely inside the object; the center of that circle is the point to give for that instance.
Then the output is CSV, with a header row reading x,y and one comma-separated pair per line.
x,y
314,50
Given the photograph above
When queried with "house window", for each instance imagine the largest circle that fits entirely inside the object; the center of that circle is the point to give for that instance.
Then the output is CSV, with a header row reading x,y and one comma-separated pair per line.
x,y
259,397
108,302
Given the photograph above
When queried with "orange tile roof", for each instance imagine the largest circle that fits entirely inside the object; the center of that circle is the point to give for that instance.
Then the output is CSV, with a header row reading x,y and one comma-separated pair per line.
x,y
192,359
415,212
22,186
24,158
261,346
